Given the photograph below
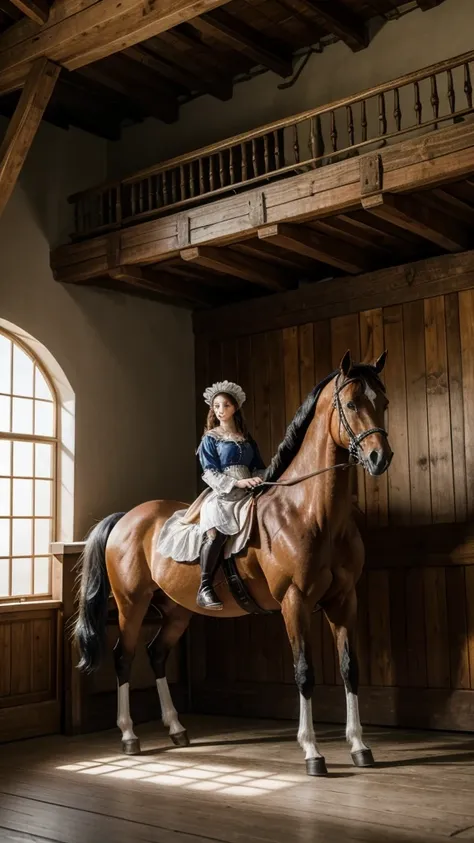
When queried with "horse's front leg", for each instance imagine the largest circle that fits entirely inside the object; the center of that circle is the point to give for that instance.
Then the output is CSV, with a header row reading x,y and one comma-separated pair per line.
x,y
342,616
297,616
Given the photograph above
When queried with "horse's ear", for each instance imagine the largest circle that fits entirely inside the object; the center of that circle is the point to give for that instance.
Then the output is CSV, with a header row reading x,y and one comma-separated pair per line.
x,y
346,363
380,363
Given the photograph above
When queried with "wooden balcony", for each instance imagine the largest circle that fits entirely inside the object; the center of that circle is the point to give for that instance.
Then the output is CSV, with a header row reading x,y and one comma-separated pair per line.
x,y
369,181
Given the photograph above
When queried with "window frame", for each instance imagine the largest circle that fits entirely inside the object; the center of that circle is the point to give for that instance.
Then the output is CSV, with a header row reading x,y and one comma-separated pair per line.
x,y
55,472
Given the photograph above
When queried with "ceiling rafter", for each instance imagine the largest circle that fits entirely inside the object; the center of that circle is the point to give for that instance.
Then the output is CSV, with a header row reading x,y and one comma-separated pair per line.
x,y
232,263
192,81
162,283
340,21
320,247
36,10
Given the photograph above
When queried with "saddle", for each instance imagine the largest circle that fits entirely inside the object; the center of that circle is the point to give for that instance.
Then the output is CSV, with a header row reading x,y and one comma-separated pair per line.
x,y
193,512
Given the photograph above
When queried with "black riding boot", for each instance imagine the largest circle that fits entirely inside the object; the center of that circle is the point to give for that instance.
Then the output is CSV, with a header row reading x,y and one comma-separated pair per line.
x,y
206,596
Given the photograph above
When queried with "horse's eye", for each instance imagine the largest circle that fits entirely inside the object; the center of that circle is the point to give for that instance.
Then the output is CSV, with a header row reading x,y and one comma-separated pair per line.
x,y
351,405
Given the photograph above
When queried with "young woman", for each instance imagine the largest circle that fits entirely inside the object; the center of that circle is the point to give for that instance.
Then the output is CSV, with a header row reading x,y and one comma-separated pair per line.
x,y
231,465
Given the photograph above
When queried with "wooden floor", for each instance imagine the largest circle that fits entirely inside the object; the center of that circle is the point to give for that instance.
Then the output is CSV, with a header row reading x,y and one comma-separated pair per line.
x,y
240,781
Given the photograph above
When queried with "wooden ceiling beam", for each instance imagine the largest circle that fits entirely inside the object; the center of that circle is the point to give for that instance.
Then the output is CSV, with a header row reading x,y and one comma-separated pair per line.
x,y
244,39
205,78
413,215
178,75
232,263
306,242
35,10
426,5
343,23
76,38
154,102
7,7
24,124
163,283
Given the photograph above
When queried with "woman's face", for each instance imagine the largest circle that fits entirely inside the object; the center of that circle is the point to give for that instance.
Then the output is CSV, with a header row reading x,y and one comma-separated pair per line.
x,y
223,408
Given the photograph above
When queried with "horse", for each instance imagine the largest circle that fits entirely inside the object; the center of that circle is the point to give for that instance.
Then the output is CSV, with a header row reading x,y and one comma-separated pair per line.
x,y
305,551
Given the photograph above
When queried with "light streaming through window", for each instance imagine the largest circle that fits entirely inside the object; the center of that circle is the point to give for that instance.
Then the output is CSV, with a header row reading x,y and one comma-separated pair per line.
x,y
28,442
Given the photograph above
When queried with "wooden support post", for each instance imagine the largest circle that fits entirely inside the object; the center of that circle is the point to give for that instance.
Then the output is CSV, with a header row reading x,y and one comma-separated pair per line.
x,y
24,125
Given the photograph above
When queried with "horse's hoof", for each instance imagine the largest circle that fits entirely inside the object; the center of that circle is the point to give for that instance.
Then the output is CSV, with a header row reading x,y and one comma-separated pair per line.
x,y
316,766
131,747
363,758
180,738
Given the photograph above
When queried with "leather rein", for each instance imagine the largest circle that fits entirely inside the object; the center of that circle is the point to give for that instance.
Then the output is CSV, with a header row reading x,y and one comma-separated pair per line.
x,y
356,456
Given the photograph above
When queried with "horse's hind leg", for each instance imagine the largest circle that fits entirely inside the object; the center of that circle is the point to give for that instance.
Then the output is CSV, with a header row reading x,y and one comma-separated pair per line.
x,y
297,616
175,622
131,616
342,616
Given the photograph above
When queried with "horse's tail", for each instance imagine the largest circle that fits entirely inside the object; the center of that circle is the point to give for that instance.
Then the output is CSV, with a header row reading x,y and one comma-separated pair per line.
x,y
90,623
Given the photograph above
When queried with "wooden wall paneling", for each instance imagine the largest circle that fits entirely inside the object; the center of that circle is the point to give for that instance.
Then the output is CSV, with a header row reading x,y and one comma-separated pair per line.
x,y
306,359
322,350
381,665
277,388
398,631
372,345
436,620
457,627
469,577
363,640
43,653
439,422
415,626
399,473
5,658
261,396
292,373
417,413
245,367
466,319
21,658
456,403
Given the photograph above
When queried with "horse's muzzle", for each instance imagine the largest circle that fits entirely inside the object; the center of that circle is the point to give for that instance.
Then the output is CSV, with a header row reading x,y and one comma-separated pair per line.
x,y
377,461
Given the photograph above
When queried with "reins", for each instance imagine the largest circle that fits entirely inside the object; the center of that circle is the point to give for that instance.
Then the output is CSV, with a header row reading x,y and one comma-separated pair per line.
x,y
304,476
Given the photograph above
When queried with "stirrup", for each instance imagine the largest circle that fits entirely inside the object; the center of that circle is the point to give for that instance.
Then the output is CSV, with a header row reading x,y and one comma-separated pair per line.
x,y
206,598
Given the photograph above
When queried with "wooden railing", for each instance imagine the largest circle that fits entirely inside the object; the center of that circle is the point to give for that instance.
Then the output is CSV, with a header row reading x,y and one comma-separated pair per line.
x,y
422,101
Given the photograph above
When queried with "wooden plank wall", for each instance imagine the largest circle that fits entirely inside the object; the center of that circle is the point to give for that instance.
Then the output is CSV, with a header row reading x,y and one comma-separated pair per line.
x,y
416,597
29,672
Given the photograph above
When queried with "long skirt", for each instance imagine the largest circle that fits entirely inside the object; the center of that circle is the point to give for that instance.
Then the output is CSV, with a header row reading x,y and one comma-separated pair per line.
x,y
229,513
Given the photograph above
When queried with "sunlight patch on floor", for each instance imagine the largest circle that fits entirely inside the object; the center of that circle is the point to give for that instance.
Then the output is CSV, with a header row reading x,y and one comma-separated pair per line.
x,y
210,778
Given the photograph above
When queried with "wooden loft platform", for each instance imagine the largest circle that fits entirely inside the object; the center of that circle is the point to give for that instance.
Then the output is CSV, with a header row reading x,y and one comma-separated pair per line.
x,y
372,181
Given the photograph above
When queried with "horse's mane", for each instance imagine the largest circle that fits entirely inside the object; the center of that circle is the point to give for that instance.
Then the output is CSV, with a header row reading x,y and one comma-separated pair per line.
x,y
296,430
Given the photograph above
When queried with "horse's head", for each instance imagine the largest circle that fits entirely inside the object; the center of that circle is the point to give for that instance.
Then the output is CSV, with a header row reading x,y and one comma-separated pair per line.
x,y
358,418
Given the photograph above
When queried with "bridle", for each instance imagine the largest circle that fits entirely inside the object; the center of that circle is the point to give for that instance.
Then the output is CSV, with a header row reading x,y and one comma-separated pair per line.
x,y
355,439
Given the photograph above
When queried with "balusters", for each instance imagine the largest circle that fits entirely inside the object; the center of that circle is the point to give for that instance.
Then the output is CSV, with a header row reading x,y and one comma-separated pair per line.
x,y
382,116
231,165
451,93
202,184
159,190
243,152
133,200
165,188
141,192
434,99
312,141
221,170
363,120
254,157
350,124
266,153
333,132
150,192
192,191
397,112
211,173
276,150
174,185
468,85
296,144
182,182
418,107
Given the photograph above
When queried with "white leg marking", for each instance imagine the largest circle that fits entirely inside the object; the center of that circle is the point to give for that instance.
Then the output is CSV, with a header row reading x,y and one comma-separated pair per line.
x,y
169,715
306,735
124,721
353,727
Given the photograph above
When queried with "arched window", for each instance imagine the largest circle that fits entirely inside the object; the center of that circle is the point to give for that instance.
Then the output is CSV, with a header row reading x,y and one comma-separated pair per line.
x,y
28,460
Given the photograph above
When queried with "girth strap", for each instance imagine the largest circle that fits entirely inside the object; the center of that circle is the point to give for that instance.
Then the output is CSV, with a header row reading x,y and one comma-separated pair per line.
x,y
239,590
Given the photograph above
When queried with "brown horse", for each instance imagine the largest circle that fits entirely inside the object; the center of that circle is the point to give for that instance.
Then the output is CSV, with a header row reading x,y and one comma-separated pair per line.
x,y
305,550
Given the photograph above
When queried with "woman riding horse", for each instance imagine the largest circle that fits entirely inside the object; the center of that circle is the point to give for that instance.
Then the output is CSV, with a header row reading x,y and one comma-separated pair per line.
x,y
304,549
232,465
